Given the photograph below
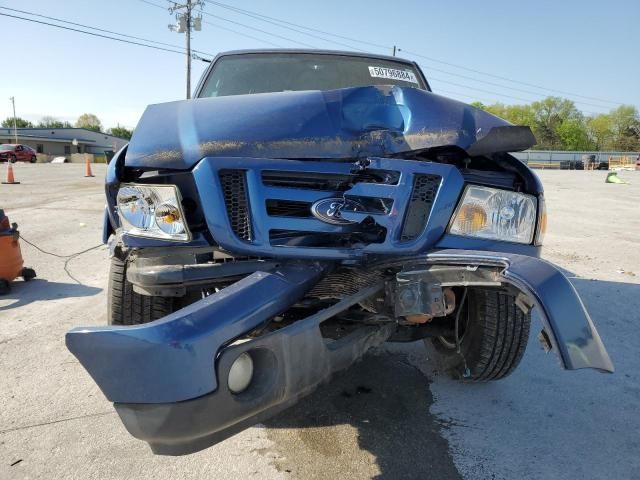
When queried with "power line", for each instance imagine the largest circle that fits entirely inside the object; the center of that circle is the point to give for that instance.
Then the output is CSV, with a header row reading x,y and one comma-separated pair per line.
x,y
90,33
221,27
508,79
479,89
210,54
256,14
486,82
98,29
260,30
265,19
182,52
475,98
449,92
495,93
269,19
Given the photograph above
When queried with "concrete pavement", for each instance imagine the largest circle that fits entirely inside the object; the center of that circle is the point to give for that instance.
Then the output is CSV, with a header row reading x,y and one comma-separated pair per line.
x,y
390,416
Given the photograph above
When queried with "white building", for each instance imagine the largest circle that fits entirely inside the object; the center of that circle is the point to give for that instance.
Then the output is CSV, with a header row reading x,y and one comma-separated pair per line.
x,y
64,141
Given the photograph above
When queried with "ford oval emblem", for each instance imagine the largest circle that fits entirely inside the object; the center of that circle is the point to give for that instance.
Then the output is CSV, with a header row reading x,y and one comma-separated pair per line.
x,y
329,210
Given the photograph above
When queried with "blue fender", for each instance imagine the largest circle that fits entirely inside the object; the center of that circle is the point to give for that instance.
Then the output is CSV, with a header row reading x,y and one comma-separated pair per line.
x,y
567,323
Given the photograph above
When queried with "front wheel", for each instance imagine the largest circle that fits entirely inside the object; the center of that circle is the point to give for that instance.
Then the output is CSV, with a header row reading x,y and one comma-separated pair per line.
x,y
492,337
33,159
126,307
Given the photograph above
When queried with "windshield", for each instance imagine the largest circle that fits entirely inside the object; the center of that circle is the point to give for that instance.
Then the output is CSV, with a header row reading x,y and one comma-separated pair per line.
x,y
263,73
7,146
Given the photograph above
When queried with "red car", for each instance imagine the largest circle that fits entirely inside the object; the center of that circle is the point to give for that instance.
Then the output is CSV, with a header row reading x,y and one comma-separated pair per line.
x,y
17,152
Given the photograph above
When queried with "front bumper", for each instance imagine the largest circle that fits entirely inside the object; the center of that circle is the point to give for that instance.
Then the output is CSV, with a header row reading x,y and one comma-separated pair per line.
x,y
289,364
168,378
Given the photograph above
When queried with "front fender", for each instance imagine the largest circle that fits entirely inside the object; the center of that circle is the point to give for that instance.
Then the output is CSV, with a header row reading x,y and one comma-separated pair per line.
x,y
567,323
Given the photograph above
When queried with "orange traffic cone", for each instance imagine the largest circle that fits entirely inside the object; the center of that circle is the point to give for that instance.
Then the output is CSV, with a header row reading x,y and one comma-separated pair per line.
x,y
88,169
11,180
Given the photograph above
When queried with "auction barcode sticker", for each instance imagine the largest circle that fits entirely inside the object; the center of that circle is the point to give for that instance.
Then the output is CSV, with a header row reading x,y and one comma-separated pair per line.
x,y
392,73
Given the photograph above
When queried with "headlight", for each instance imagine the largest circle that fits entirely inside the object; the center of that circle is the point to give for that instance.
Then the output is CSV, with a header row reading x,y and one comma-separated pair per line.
x,y
495,214
152,211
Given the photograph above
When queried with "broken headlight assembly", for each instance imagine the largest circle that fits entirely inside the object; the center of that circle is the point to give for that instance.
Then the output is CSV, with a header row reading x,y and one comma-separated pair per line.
x,y
153,211
495,214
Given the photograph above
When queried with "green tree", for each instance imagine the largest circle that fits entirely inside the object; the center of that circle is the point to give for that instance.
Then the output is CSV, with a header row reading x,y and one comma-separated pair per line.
x,y
20,123
625,128
498,109
516,114
89,121
479,105
120,132
574,135
520,114
558,124
600,131
52,122
548,115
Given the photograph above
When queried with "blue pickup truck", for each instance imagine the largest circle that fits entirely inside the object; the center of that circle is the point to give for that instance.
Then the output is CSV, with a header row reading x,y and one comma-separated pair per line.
x,y
303,208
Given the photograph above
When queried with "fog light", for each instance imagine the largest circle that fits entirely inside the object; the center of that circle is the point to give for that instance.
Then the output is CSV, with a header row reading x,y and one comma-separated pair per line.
x,y
240,373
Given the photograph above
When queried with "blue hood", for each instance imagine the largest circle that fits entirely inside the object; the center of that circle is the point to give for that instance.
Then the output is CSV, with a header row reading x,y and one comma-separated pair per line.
x,y
344,123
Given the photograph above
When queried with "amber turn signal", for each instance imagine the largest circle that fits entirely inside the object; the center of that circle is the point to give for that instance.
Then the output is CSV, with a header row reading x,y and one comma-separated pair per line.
x,y
471,218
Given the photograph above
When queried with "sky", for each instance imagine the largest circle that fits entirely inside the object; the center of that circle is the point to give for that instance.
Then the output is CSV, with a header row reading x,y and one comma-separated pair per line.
x,y
583,48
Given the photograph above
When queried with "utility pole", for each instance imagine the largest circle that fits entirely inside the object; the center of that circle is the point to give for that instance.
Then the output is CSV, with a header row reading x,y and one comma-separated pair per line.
x,y
185,23
15,121
394,50
188,15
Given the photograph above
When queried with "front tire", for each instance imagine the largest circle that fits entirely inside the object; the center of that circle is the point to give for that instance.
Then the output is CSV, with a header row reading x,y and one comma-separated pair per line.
x,y
33,159
493,333
126,307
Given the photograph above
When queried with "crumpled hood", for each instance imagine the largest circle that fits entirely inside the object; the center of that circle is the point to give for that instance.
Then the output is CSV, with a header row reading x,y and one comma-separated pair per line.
x,y
344,123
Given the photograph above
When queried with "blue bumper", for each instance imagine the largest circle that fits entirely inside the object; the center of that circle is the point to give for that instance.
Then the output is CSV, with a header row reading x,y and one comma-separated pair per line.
x,y
168,378
174,357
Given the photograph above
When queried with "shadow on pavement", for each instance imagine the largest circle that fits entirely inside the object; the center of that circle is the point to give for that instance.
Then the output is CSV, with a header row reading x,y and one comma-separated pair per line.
x,y
39,289
373,420
383,402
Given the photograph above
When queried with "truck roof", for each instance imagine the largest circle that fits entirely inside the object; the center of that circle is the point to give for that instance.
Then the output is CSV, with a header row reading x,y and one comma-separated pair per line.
x,y
316,52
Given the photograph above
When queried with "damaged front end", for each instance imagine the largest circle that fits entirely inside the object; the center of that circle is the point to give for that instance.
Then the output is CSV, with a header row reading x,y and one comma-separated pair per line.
x,y
171,380
316,226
